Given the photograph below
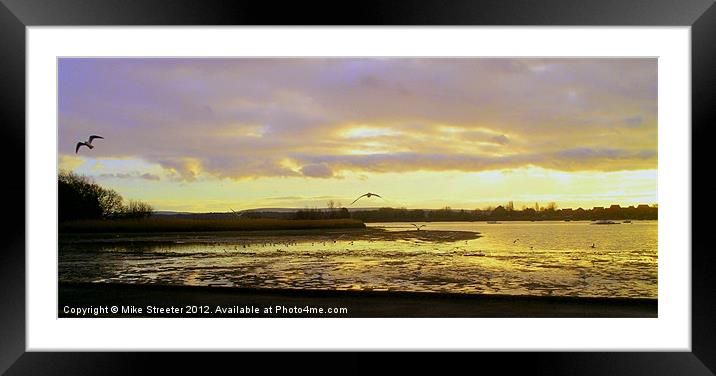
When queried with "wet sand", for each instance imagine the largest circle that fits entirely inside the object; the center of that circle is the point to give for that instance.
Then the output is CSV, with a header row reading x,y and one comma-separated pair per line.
x,y
178,301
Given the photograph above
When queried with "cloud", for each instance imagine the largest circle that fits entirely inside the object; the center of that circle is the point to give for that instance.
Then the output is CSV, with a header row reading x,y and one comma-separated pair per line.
x,y
320,170
130,175
501,139
584,159
70,162
149,176
634,120
314,118
187,169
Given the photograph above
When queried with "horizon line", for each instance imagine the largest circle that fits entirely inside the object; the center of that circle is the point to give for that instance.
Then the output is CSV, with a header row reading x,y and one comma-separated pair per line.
x,y
391,207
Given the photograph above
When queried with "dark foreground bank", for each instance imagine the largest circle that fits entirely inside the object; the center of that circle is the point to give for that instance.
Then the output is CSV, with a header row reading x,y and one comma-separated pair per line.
x,y
103,300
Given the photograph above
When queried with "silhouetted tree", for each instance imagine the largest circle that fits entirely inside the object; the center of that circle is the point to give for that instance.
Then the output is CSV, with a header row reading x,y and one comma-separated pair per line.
x,y
137,209
81,198
111,203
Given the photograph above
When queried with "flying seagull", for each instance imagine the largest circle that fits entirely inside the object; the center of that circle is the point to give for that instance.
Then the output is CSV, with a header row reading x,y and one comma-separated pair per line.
x,y
369,195
417,228
87,143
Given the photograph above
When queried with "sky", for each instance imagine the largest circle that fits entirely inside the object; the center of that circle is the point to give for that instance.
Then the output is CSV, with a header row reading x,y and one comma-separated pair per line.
x,y
217,134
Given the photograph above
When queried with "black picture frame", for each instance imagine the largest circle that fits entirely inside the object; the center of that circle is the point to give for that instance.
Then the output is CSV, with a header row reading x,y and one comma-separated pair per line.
x,y
16,15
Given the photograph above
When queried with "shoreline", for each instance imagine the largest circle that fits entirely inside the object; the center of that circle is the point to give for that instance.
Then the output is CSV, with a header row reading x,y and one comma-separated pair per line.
x,y
227,302
278,236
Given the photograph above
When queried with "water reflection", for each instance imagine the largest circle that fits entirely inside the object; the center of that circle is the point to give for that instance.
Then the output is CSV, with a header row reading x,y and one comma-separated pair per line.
x,y
524,258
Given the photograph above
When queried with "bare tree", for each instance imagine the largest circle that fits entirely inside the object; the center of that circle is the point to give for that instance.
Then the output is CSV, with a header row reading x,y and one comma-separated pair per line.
x,y
138,209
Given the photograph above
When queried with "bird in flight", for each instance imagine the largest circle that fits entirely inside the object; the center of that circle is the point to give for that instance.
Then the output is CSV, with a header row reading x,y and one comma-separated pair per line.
x,y
417,228
369,195
87,143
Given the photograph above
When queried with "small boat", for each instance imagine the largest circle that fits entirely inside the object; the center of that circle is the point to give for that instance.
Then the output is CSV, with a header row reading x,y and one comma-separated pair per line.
x,y
605,222
627,221
492,222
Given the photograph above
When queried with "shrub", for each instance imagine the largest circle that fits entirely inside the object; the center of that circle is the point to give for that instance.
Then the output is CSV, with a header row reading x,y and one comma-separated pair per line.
x,y
137,209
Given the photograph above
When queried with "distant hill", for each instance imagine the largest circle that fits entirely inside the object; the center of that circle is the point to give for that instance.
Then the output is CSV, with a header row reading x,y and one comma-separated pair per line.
x,y
168,212
293,210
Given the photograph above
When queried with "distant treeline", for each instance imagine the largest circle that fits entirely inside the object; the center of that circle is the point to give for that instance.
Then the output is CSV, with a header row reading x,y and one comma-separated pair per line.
x,y
330,213
80,198
501,213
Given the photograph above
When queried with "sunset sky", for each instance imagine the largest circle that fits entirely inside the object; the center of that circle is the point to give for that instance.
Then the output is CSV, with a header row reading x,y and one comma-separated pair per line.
x,y
214,134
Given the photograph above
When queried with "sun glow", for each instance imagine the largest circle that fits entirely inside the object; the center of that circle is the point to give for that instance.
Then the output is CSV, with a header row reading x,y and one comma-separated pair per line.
x,y
426,133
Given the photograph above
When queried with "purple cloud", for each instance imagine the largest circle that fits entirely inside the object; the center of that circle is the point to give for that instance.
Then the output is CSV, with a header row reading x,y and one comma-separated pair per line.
x,y
249,117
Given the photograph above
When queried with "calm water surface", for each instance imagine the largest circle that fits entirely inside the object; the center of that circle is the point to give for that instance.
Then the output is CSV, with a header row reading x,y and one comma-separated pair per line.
x,y
522,258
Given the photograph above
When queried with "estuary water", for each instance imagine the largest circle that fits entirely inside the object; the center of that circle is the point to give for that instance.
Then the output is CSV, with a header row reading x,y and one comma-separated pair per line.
x,y
515,258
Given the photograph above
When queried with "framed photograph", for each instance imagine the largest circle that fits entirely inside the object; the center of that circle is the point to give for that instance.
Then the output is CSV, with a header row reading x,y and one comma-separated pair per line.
x,y
425,177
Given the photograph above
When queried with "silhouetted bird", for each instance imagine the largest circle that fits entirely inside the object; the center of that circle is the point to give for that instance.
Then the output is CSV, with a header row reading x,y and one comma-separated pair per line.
x,y
594,246
87,143
417,228
369,195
